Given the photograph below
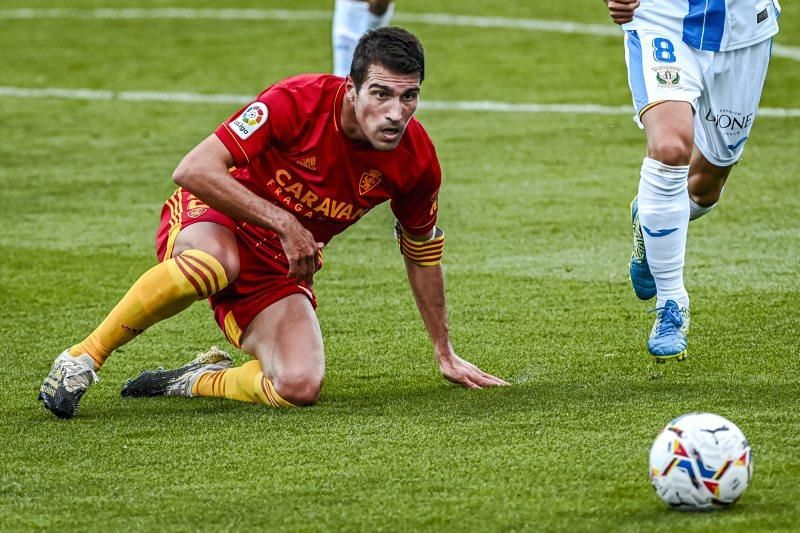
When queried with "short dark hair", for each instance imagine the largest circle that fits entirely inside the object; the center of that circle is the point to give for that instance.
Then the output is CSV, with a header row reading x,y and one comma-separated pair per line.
x,y
394,48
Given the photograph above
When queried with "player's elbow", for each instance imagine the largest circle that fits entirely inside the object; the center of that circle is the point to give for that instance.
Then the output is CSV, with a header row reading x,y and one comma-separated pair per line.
x,y
207,159
185,173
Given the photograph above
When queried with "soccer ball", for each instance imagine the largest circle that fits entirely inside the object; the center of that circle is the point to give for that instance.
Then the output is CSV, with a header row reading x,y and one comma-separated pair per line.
x,y
700,461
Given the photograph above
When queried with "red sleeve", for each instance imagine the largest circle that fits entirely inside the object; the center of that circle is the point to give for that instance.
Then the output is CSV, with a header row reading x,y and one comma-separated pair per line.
x,y
267,121
417,209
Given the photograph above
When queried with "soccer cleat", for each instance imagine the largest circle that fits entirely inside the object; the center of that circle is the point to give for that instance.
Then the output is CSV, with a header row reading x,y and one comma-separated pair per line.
x,y
66,383
644,285
179,381
668,337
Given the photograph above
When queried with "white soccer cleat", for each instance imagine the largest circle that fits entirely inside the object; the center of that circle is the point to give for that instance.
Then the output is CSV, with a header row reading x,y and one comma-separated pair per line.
x,y
66,383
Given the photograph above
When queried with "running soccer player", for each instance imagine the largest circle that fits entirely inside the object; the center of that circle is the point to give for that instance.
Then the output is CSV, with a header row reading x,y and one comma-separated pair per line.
x,y
696,69
351,20
257,201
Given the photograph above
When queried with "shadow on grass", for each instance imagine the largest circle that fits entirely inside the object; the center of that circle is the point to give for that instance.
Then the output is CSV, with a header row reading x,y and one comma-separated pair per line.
x,y
660,516
531,400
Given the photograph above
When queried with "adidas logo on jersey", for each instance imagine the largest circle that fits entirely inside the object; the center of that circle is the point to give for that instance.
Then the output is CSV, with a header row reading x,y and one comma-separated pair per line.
x,y
309,162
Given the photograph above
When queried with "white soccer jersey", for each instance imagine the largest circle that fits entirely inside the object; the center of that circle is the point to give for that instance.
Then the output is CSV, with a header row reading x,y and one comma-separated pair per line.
x,y
714,25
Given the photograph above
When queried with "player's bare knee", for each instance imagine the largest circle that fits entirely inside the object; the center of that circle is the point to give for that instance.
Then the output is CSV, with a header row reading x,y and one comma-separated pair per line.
x,y
298,388
673,151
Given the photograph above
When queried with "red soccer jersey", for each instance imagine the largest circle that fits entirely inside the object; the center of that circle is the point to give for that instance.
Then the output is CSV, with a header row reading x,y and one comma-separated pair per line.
x,y
290,148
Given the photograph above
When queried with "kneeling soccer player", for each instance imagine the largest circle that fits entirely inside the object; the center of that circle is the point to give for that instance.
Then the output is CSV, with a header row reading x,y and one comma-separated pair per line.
x,y
258,200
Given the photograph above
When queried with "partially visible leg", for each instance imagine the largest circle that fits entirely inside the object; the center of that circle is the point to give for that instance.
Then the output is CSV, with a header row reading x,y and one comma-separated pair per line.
x,y
663,198
286,341
197,261
379,8
660,216
351,19
667,81
725,115
706,182
204,261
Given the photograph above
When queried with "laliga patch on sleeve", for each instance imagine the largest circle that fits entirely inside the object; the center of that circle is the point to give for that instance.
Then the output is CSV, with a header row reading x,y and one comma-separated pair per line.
x,y
250,120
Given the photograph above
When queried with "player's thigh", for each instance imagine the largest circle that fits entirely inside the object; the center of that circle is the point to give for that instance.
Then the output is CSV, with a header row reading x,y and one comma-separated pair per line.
x,y
727,109
189,224
287,340
213,239
669,128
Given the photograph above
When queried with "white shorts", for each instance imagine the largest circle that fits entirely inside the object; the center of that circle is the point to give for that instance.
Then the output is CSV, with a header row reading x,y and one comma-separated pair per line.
x,y
723,87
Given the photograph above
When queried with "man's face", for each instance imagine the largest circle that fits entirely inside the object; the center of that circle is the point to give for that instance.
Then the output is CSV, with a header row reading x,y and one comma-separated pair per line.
x,y
384,105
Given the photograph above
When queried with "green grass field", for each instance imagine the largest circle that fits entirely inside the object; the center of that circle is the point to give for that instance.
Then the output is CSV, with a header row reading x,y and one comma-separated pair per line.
x,y
535,206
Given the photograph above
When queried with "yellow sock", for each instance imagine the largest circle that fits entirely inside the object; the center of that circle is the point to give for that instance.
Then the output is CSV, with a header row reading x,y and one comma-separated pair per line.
x,y
163,291
245,383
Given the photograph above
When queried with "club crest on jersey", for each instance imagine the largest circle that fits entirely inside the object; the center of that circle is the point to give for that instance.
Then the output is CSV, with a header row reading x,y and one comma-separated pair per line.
x,y
668,76
195,207
250,120
369,180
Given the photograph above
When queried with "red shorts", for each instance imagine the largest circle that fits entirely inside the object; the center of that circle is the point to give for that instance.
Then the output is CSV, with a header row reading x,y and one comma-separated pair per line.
x,y
263,266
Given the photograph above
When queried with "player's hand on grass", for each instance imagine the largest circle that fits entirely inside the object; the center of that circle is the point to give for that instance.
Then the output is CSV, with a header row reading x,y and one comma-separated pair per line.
x,y
301,248
621,11
462,372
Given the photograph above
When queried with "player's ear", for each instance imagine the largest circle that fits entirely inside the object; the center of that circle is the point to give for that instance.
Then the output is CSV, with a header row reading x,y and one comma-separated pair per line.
x,y
350,87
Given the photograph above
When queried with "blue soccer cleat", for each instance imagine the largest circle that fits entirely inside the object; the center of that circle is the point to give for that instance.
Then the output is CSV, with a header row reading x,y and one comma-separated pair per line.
x,y
668,337
642,280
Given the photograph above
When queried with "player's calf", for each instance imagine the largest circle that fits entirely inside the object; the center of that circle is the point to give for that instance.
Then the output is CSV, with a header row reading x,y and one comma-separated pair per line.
x,y
706,183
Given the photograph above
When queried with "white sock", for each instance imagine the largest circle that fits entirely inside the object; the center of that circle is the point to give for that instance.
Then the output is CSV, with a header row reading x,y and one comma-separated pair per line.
x,y
696,210
664,215
351,20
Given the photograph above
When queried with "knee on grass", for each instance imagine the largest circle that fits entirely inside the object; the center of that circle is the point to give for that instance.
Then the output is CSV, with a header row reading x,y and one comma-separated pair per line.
x,y
298,388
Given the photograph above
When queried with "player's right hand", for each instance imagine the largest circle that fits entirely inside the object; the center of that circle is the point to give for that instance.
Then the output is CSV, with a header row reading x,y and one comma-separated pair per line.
x,y
621,11
301,249
460,371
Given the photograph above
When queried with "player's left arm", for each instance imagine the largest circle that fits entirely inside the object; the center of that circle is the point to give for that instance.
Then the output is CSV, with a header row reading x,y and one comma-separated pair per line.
x,y
422,245
427,285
